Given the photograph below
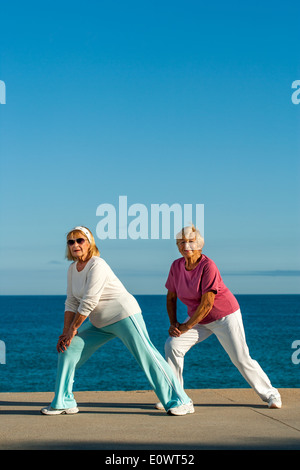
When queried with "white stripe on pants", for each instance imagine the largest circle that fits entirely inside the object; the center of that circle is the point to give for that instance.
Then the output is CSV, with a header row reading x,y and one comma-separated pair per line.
x,y
230,332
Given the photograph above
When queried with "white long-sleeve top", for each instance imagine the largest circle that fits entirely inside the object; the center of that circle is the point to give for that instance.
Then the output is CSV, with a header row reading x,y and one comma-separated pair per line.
x,y
98,293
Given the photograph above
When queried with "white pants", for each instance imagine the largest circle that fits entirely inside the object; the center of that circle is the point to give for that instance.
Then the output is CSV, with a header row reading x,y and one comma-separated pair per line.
x,y
230,333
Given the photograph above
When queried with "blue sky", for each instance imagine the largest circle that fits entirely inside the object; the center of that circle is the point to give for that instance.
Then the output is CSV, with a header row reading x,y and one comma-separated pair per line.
x,y
164,102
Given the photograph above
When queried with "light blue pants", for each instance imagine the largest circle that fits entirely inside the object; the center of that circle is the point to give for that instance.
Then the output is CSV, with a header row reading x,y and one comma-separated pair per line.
x,y
133,333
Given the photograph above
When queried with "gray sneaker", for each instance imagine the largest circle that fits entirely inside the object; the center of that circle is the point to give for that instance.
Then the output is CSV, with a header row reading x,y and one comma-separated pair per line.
x,y
182,409
52,411
274,401
159,406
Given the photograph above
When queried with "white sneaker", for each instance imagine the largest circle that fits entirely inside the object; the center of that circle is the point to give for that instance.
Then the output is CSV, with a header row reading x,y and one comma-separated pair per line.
x,y
52,411
159,406
274,401
182,409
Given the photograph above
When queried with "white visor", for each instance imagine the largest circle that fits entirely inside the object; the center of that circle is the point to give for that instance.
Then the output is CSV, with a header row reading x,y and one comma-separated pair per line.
x,y
83,230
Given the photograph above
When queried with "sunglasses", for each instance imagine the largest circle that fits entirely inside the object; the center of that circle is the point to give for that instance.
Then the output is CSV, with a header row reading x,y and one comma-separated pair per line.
x,y
80,241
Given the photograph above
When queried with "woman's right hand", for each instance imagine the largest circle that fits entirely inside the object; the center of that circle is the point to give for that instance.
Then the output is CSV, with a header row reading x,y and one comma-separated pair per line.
x,y
61,346
174,331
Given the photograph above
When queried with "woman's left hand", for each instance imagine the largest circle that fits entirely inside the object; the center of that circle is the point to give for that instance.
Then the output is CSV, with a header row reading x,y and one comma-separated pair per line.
x,y
183,328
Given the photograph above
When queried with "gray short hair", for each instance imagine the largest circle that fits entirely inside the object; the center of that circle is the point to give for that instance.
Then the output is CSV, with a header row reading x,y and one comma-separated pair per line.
x,y
189,232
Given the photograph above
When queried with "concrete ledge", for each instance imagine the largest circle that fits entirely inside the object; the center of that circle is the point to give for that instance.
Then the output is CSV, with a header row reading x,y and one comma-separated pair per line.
x,y
118,420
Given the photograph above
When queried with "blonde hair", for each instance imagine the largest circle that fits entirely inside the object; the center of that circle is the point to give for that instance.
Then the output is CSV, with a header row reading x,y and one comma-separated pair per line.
x,y
188,233
93,250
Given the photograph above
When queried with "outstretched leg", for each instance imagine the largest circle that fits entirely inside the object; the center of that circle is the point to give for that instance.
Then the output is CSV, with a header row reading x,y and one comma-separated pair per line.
x,y
133,333
230,332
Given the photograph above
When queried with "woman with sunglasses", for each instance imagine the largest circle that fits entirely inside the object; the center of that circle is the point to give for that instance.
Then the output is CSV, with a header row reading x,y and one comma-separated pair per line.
x,y
94,291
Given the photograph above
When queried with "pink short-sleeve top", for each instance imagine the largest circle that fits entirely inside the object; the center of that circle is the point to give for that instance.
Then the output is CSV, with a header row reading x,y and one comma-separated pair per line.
x,y
189,287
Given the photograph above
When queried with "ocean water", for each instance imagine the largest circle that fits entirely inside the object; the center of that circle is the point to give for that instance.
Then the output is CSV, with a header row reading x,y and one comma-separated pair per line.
x,y
30,326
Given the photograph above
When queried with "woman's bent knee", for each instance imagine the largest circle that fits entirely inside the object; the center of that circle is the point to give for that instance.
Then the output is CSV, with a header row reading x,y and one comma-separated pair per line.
x,y
172,347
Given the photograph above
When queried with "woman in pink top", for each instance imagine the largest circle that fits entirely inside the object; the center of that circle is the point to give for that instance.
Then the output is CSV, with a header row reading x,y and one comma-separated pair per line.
x,y
212,308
